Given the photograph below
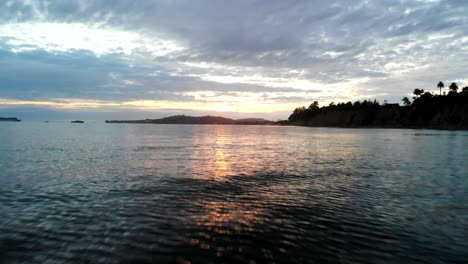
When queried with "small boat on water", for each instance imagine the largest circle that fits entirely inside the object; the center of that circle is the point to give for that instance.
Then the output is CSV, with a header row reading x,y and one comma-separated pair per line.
x,y
77,121
9,119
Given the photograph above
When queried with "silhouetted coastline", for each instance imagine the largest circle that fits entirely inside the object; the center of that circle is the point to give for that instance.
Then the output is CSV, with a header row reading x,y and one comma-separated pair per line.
x,y
205,120
427,110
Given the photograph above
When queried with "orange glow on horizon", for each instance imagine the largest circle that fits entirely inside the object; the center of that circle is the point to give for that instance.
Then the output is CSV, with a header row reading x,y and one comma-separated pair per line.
x,y
246,106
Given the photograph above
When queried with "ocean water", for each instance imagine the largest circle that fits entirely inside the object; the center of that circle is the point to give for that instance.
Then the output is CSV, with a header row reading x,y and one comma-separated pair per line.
x,y
134,193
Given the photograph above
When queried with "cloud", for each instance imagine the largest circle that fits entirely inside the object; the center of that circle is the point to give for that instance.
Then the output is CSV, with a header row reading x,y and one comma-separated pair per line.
x,y
287,50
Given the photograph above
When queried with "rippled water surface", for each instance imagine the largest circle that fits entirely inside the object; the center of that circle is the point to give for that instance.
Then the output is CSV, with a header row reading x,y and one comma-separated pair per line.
x,y
117,193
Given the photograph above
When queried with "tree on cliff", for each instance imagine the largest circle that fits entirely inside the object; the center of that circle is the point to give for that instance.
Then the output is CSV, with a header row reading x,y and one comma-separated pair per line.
x,y
440,85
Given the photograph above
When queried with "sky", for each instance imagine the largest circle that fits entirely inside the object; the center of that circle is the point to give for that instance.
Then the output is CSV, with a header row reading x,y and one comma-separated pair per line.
x,y
116,59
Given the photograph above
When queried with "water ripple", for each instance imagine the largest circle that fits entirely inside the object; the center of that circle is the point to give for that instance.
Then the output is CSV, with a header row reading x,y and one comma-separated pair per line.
x,y
305,196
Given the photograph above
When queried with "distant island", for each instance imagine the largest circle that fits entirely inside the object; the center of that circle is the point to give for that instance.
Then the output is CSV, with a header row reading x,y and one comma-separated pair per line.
x,y
77,122
205,120
427,110
9,119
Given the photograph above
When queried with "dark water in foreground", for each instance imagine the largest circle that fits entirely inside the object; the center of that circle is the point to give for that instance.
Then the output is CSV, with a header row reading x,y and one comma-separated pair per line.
x,y
116,193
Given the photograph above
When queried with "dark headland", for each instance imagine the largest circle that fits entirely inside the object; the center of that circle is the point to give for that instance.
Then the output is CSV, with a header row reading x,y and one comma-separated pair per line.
x,y
184,119
426,110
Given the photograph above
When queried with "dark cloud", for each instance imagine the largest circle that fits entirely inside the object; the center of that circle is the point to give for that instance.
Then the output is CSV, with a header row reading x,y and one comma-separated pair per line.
x,y
40,75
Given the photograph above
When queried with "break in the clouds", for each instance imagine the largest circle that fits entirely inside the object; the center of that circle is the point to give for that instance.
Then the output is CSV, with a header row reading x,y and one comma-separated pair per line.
x,y
256,57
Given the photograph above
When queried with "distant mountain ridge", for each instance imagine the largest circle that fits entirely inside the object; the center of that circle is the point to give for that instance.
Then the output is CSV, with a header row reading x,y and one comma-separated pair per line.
x,y
205,120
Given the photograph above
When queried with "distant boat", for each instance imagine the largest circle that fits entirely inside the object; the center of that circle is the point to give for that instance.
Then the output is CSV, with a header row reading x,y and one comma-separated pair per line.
x,y
77,122
9,119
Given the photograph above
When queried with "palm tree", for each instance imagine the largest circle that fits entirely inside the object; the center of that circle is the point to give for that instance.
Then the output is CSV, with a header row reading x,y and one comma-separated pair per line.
x,y
440,85
453,87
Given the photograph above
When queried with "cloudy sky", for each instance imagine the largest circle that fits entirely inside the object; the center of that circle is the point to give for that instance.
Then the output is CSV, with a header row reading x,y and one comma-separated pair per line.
x,y
245,58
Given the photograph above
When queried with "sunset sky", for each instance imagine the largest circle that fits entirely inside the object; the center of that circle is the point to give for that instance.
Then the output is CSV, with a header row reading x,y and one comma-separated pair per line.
x,y
153,58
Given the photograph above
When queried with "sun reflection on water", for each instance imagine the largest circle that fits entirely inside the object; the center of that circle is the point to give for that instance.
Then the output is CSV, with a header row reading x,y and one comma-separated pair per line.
x,y
221,165
212,156
218,219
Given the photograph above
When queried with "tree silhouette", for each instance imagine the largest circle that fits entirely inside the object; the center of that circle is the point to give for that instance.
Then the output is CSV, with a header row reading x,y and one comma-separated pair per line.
x,y
453,87
440,85
406,101
314,105
465,90
427,110
418,91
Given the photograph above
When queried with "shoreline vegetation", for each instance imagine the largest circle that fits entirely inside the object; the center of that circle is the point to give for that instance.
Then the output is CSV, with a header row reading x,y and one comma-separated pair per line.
x,y
427,110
